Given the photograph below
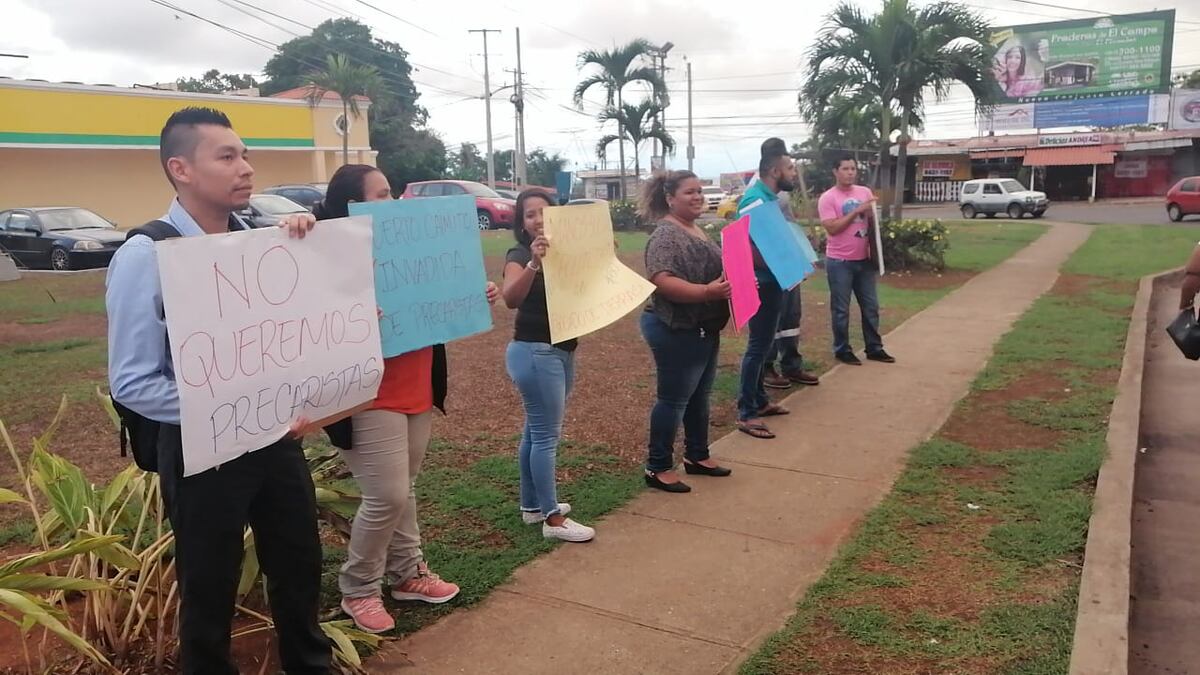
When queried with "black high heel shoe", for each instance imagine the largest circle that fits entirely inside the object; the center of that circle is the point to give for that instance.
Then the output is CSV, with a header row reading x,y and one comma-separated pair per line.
x,y
678,487
700,470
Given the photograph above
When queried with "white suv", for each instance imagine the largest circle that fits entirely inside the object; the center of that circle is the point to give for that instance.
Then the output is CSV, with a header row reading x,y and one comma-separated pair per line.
x,y
1000,195
713,196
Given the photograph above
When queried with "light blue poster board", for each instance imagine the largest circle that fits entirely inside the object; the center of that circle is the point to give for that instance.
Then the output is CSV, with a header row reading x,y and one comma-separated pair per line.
x,y
778,242
429,277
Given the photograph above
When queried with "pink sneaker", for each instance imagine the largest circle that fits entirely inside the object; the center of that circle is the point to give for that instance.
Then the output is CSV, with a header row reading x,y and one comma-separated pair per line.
x,y
426,587
369,614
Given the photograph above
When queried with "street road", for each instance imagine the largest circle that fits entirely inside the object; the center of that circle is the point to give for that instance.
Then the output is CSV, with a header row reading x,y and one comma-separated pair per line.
x,y
1141,213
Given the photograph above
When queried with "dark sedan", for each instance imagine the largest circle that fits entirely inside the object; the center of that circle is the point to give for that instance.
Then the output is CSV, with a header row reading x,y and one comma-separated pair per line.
x,y
266,210
58,238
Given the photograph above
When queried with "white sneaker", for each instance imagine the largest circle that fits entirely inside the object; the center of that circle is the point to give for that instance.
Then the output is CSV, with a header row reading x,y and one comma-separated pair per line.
x,y
568,531
535,517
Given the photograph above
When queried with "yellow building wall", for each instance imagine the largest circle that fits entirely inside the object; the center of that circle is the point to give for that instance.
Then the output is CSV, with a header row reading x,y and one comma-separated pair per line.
x,y
125,186
101,118
325,134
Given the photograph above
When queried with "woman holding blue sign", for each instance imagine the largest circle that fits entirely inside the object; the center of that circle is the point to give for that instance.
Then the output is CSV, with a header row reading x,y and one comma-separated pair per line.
x,y
384,447
542,371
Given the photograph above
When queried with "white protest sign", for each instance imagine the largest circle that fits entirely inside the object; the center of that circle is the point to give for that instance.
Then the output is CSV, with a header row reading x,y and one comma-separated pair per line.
x,y
877,226
265,329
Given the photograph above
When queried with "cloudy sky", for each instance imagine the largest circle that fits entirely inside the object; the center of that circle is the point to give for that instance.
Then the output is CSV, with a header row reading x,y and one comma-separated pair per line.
x,y
745,58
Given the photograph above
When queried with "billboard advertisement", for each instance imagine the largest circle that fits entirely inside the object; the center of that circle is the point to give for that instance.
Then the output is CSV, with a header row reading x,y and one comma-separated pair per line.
x,y
1185,109
1128,54
1101,112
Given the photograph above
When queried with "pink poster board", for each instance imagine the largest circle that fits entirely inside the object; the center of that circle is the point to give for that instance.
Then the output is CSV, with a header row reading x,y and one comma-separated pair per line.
x,y
739,270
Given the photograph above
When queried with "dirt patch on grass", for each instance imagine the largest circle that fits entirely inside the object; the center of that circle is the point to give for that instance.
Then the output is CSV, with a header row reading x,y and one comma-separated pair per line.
x,y
924,281
984,422
75,326
990,427
975,475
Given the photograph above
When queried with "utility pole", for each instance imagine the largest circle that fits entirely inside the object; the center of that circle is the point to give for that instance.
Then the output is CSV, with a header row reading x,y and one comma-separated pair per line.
x,y
487,106
519,176
661,98
691,149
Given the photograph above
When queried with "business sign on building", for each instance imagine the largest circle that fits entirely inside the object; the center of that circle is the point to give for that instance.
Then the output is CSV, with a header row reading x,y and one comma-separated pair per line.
x,y
1009,117
1131,168
1128,54
1060,140
1185,109
937,168
1095,112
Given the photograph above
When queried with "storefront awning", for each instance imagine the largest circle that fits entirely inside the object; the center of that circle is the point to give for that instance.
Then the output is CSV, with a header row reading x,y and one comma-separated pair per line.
x,y
1078,156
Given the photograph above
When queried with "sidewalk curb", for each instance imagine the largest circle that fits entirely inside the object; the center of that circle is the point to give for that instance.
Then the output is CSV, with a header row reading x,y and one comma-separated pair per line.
x,y
1101,644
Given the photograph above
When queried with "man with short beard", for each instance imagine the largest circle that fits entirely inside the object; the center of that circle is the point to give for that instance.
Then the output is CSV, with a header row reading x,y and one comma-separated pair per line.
x,y
777,173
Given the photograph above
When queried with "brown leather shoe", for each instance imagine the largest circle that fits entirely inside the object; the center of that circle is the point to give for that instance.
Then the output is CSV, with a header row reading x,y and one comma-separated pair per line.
x,y
774,380
804,377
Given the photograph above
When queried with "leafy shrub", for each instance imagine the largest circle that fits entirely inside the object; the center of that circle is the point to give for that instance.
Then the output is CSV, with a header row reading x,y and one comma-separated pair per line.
x,y
110,547
910,244
624,216
915,244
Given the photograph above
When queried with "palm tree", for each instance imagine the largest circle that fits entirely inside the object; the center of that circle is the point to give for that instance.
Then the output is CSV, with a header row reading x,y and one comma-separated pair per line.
x,y
852,124
944,47
638,123
891,58
853,59
617,68
349,81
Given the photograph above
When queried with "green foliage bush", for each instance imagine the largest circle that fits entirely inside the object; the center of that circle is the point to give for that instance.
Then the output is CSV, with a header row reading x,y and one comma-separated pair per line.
x,y
625,217
909,244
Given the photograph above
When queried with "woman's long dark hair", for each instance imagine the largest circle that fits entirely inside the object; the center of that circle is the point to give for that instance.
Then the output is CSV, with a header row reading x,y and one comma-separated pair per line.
x,y
519,232
345,186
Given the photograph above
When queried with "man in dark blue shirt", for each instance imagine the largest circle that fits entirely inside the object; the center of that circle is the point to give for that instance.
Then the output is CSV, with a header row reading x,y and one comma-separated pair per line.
x,y
270,489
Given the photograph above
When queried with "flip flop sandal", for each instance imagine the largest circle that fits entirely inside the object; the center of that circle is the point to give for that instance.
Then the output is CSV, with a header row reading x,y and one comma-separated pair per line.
x,y
774,410
756,430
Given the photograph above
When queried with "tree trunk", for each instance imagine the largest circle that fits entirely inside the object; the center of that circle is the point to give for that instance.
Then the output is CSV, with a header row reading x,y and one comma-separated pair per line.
x,y
885,134
637,162
345,132
901,165
621,142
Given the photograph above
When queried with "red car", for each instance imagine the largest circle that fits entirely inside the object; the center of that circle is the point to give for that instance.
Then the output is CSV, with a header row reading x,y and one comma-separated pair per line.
x,y
1184,198
494,210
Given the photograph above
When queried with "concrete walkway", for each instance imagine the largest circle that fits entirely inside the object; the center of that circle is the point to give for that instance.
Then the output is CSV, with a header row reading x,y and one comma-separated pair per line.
x,y
1165,610
693,583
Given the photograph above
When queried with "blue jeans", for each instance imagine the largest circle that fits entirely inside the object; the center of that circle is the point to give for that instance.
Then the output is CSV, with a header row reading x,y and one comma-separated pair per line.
x,y
687,365
543,375
857,276
786,348
763,326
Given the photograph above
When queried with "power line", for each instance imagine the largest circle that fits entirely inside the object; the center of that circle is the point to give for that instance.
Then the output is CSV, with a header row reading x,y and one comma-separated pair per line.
x,y
398,18
313,29
1097,12
267,44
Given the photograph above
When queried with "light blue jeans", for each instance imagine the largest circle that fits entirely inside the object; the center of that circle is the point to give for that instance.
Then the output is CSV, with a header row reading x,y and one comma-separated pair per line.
x,y
543,375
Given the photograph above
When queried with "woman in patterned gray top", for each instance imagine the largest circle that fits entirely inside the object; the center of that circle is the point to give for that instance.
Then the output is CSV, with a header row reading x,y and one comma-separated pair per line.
x,y
682,325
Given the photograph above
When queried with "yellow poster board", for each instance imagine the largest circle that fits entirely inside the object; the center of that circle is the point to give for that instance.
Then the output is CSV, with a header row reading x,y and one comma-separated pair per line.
x,y
587,287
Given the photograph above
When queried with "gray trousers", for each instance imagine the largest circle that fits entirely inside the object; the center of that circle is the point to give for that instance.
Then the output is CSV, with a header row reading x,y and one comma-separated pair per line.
x,y
385,459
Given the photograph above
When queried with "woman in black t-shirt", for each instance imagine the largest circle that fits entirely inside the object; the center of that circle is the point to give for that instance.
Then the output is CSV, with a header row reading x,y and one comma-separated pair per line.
x,y
682,325
543,373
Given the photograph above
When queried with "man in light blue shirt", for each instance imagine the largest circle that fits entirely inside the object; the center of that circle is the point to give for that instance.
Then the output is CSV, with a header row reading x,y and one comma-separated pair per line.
x,y
271,489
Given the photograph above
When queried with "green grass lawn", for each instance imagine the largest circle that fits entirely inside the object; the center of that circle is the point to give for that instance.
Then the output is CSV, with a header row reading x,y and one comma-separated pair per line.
x,y
497,242
971,564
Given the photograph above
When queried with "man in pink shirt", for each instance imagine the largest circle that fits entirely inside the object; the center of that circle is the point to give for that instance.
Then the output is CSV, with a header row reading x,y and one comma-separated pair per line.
x,y
846,212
